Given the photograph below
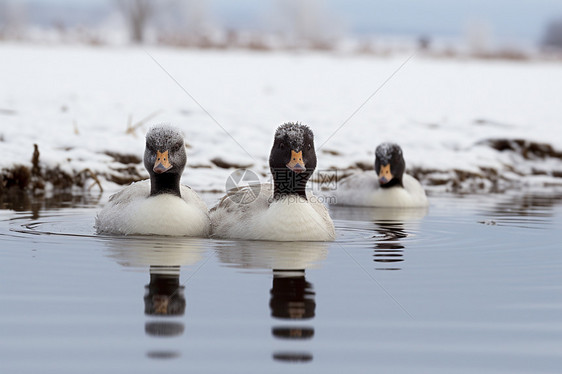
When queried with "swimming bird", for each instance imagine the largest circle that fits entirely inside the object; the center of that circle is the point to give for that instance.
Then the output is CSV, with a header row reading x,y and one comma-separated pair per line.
x,y
284,210
387,186
159,205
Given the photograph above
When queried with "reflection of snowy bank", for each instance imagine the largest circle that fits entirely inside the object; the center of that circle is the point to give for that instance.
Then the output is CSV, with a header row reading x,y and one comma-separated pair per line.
x,y
87,110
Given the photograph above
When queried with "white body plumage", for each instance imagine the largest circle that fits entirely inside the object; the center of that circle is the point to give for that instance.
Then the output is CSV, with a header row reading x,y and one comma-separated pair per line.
x,y
133,211
363,189
288,218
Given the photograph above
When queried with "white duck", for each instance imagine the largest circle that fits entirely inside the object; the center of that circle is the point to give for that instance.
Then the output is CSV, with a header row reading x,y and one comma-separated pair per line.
x,y
159,206
284,211
387,186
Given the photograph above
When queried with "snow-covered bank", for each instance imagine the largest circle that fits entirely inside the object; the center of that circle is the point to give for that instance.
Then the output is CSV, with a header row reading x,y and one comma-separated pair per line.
x,y
463,124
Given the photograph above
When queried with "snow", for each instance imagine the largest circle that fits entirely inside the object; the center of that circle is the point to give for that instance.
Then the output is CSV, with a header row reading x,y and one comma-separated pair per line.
x,y
384,152
294,133
80,103
164,134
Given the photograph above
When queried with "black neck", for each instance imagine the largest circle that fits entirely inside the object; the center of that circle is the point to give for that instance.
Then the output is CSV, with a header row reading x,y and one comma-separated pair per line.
x,y
165,183
393,182
286,182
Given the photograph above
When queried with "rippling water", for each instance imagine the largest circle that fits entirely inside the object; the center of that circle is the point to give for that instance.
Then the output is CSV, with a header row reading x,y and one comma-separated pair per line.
x,y
473,284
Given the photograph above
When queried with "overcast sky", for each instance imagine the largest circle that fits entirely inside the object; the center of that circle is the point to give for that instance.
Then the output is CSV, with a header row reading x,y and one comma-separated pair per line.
x,y
507,19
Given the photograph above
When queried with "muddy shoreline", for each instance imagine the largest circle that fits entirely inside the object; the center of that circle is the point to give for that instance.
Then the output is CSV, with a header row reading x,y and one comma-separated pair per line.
x,y
36,178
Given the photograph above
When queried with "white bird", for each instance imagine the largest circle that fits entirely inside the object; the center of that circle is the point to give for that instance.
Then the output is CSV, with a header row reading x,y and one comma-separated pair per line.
x,y
284,211
387,186
160,205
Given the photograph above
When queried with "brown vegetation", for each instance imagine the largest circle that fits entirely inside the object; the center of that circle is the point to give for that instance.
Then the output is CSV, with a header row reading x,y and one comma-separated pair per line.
x,y
36,178
526,148
221,163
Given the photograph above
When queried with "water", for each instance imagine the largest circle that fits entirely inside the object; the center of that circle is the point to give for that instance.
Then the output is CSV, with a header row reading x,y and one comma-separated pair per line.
x,y
471,285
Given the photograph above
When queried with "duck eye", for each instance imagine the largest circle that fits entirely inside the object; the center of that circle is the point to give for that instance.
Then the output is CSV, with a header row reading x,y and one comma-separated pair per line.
x,y
281,145
309,146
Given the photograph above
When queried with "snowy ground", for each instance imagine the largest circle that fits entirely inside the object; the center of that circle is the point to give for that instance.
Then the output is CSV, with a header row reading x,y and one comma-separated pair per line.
x,y
75,103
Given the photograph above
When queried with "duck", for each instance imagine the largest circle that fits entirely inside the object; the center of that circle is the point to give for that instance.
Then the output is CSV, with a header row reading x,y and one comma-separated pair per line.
x,y
158,205
387,186
283,210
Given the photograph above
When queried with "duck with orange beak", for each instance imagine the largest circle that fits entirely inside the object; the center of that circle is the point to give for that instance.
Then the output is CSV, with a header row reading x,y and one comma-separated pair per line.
x,y
160,205
292,160
388,186
283,210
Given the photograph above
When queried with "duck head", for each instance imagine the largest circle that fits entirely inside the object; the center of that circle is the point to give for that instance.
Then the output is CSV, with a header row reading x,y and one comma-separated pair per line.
x,y
164,159
389,165
292,159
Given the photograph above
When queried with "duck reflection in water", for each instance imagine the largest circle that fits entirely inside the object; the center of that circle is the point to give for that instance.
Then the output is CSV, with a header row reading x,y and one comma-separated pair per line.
x,y
292,297
392,226
389,251
164,296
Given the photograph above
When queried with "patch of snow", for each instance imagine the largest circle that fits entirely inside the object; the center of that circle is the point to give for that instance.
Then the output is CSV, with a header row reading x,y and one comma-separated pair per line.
x,y
80,103
385,150
294,133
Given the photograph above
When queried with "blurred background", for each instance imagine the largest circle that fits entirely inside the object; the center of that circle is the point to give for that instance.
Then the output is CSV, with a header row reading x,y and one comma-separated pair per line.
x,y
494,28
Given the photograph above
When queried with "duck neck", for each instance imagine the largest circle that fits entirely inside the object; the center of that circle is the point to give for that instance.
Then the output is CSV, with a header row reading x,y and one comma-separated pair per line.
x,y
165,183
287,182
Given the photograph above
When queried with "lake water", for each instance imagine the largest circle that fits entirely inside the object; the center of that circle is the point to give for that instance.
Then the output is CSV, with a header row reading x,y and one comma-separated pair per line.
x,y
474,284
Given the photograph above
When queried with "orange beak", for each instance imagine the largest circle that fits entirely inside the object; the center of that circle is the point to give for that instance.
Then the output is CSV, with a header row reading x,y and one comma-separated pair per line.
x,y
162,163
296,164
385,175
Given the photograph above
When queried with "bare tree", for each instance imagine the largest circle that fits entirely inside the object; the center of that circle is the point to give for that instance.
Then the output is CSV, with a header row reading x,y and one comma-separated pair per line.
x,y
137,14
184,22
13,19
553,34
307,21
479,37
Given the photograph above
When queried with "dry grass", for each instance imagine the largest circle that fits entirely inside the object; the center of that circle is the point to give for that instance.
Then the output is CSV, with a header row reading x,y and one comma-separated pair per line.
x,y
133,127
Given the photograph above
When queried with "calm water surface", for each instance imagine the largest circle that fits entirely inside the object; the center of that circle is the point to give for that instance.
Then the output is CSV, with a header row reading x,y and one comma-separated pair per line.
x,y
474,284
